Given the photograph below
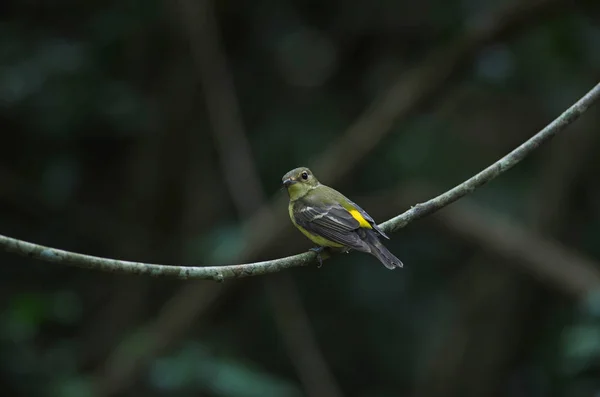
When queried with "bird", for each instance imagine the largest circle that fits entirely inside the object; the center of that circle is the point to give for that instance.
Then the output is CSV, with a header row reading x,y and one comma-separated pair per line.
x,y
331,220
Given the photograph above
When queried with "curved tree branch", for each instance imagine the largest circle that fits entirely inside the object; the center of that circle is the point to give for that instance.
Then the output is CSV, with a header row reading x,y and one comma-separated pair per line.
x,y
220,273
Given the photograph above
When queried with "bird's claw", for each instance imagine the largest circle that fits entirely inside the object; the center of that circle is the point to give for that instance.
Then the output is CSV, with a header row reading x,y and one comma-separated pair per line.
x,y
318,251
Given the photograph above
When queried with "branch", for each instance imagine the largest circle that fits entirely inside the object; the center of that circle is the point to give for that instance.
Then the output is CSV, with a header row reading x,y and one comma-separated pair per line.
x,y
220,273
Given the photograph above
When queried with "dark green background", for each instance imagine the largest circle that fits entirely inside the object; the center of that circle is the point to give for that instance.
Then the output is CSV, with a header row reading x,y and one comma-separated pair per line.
x,y
110,147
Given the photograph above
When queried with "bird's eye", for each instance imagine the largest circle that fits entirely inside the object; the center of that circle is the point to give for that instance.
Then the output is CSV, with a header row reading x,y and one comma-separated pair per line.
x,y
304,175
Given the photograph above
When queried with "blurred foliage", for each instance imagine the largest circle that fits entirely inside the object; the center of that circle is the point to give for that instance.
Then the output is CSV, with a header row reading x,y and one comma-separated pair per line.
x,y
108,149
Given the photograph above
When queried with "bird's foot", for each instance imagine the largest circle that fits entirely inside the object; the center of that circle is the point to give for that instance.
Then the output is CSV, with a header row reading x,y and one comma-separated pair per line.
x,y
318,250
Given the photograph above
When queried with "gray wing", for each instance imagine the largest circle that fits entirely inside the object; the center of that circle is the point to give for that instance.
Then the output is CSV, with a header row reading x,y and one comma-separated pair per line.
x,y
332,222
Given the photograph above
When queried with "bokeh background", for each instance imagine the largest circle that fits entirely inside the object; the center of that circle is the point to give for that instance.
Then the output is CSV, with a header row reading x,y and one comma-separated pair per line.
x,y
158,131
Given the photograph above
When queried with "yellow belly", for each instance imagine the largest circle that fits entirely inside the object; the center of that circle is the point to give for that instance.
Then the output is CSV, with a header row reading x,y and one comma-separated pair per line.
x,y
313,237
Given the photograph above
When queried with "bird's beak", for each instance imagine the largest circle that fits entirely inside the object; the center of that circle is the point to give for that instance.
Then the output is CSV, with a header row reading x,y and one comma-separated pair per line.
x,y
287,182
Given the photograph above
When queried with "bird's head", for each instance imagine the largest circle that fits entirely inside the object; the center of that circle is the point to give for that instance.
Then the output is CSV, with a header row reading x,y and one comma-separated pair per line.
x,y
298,182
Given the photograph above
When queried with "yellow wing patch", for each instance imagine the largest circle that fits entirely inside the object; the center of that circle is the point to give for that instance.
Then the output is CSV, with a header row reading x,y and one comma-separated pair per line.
x,y
361,220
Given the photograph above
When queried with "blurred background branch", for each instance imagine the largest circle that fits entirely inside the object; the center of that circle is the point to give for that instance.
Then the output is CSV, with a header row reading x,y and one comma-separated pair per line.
x,y
541,257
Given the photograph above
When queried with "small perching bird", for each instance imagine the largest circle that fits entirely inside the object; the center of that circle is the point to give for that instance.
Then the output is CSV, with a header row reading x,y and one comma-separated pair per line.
x,y
329,219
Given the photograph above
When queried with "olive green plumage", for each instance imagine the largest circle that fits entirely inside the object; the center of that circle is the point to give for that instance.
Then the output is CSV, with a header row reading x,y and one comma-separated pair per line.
x,y
330,219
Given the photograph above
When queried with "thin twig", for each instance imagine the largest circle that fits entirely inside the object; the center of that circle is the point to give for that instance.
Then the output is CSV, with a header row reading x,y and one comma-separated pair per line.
x,y
220,273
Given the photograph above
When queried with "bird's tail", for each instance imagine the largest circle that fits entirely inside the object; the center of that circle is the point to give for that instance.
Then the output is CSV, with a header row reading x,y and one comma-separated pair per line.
x,y
379,251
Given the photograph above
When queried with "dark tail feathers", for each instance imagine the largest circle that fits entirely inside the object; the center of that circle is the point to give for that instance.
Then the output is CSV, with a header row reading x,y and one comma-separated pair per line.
x,y
379,251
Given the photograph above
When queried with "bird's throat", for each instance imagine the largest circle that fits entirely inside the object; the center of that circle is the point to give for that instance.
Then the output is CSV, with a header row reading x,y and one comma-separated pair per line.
x,y
299,190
